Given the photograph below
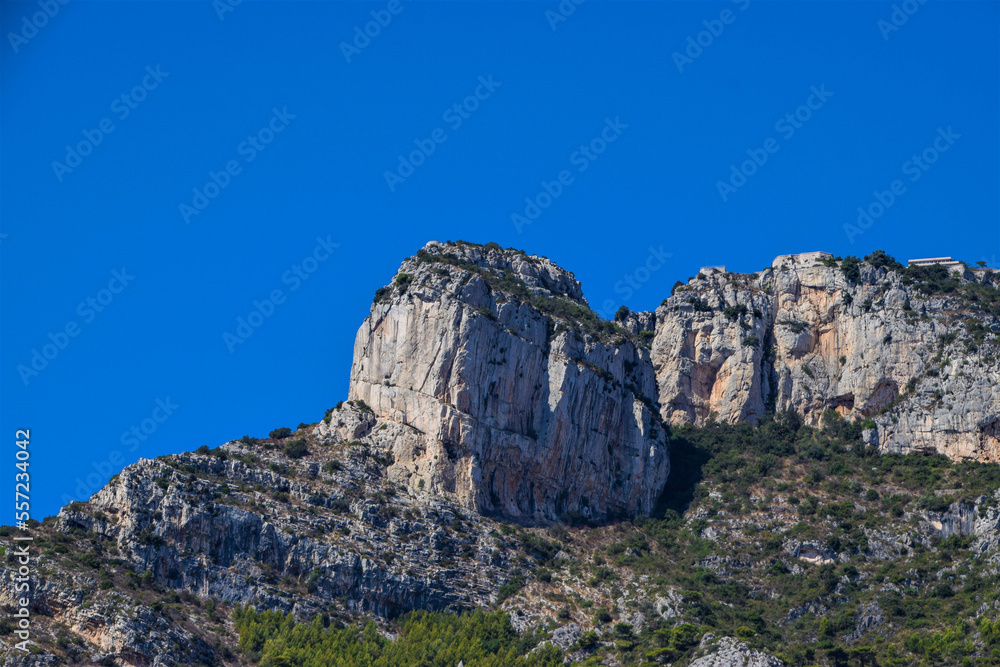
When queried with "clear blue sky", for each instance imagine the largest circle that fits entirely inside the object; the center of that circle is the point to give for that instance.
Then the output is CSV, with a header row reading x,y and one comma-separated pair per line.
x,y
669,138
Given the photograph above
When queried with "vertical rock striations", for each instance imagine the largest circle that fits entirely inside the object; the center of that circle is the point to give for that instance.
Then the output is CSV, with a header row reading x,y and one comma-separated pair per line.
x,y
490,379
514,396
913,355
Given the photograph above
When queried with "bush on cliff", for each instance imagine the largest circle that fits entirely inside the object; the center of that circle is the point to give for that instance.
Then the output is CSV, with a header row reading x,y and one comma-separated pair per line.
x,y
296,449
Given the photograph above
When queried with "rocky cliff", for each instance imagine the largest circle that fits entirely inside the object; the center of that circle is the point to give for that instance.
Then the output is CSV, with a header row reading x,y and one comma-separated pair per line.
x,y
914,352
493,382
251,522
484,392
498,385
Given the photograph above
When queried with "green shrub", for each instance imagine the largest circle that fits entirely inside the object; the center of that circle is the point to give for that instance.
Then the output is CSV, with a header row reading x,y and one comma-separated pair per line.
x,y
989,631
880,258
539,547
700,305
733,313
147,537
831,261
88,559
685,636
851,268
296,449
934,279
602,617
935,503
795,325
509,588
279,433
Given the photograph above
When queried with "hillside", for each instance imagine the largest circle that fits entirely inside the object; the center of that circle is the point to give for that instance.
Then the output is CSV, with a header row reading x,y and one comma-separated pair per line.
x,y
588,486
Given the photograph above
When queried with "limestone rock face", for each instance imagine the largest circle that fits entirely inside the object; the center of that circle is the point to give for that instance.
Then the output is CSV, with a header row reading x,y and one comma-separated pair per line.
x,y
800,336
730,652
225,551
497,384
115,627
245,524
486,377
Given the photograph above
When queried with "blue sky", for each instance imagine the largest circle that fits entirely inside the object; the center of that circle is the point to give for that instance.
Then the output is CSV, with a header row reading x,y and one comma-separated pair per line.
x,y
251,148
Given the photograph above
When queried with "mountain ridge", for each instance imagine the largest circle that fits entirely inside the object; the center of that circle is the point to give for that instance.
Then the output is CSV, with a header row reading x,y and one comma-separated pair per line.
x,y
503,447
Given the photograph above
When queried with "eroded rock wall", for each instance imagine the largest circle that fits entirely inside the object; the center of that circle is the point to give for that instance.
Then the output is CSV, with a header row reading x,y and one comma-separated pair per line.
x,y
800,336
510,405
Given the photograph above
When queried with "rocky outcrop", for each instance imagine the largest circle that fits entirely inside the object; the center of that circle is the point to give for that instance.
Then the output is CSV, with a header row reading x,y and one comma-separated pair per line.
x,y
499,386
492,381
481,380
226,528
249,525
115,627
730,652
800,336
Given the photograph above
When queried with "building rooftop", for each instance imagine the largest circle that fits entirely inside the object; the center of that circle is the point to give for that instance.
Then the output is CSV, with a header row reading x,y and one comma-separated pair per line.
x,y
927,261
